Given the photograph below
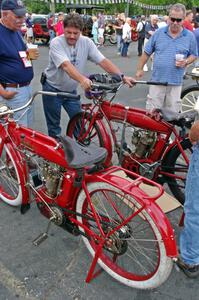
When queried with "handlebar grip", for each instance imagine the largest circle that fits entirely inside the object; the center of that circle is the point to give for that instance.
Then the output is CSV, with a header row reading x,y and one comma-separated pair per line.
x,y
157,83
102,86
68,95
151,82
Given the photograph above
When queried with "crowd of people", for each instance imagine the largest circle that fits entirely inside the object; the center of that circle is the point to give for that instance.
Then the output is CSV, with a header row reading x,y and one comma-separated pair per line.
x,y
69,51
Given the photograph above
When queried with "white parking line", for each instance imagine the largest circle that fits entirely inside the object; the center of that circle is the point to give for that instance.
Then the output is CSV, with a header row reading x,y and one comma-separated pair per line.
x,y
14,285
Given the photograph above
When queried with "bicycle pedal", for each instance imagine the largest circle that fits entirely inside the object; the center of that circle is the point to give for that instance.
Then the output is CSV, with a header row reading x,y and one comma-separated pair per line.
x,y
40,239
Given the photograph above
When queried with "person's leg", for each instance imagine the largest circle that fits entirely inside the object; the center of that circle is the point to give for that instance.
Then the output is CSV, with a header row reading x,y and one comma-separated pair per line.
x,y
95,39
140,46
72,107
119,38
173,99
52,111
189,238
124,49
155,97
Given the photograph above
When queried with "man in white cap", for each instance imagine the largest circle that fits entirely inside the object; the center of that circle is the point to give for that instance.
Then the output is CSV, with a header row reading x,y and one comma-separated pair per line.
x,y
15,64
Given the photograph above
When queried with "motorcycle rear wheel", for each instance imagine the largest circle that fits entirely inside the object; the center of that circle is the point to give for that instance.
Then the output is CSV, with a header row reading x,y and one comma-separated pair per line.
x,y
135,254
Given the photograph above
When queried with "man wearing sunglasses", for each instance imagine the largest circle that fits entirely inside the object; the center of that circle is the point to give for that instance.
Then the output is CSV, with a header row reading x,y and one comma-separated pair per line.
x,y
174,48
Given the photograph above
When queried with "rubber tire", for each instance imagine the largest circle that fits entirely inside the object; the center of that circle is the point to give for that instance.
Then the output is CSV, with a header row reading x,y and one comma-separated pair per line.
x,y
186,91
170,163
75,119
113,41
164,263
13,200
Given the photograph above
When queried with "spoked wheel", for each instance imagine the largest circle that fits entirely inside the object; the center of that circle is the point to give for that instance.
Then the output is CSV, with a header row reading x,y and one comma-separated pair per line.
x,y
10,187
189,97
176,165
134,254
79,129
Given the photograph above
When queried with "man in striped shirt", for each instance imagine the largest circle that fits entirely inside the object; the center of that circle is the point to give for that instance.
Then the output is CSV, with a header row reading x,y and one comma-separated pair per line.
x,y
166,44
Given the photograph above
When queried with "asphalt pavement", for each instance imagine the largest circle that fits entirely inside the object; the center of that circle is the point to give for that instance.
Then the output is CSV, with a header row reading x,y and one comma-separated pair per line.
x,y
56,270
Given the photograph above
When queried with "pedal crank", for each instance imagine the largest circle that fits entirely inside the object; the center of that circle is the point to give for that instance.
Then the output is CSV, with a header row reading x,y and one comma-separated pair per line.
x,y
43,236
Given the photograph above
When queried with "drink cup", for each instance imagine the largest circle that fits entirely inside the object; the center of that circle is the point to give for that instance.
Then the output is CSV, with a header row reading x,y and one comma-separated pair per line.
x,y
33,51
179,58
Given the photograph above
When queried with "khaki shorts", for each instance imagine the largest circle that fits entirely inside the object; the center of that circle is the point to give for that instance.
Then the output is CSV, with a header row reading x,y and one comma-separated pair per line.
x,y
166,98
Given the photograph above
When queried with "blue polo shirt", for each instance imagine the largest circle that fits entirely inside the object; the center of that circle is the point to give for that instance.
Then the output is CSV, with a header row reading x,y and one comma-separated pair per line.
x,y
196,34
12,69
165,47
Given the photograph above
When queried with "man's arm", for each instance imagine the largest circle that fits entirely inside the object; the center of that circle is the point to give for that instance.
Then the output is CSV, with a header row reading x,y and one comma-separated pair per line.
x,y
142,61
76,75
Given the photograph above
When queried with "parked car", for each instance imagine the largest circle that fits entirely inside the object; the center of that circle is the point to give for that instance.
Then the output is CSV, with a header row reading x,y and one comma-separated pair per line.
x,y
40,29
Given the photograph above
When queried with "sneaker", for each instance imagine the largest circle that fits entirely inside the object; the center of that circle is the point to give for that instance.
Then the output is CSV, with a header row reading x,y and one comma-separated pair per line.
x,y
118,53
145,69
191,271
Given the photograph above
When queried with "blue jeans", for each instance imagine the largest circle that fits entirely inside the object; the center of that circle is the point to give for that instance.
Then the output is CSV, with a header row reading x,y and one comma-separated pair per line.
x,y
189,239
119,42
52,109
52,34
23,117
125,49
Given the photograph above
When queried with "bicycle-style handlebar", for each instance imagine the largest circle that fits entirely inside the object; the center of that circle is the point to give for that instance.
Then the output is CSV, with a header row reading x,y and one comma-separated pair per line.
x,y
113,87
151,82
4,111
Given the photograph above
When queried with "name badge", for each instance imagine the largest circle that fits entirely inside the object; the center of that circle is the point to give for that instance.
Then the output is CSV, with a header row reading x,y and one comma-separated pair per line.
x,y
25,59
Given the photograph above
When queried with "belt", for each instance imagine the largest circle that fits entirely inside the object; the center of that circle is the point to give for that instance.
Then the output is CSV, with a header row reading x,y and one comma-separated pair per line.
x,y
14,85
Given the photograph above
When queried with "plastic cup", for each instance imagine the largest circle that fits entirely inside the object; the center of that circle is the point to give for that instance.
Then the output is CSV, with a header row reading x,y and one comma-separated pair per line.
x,y
179,57
32,51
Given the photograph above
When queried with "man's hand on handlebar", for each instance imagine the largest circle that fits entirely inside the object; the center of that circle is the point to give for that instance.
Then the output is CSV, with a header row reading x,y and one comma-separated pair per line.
x,y
130,81
86,84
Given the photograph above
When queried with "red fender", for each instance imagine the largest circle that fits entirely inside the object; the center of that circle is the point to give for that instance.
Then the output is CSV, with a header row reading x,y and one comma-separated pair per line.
x,y
106,140
132,187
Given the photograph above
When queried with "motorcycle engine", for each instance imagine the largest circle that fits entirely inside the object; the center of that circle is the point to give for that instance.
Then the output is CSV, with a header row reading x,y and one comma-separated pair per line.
x,y
143,142
52,176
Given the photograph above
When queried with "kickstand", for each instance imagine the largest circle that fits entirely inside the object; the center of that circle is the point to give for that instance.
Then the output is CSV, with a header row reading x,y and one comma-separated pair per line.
x,y
91,275
43,236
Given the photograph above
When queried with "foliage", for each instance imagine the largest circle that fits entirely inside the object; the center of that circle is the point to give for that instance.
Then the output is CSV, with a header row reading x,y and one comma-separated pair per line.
x,y
41,7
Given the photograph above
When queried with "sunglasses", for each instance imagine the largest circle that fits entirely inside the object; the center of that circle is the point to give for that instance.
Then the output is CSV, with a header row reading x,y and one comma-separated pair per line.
x,y
178,20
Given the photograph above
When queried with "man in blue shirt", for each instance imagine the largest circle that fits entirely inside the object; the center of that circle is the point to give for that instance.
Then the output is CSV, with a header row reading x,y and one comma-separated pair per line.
x,y
15,65
166,44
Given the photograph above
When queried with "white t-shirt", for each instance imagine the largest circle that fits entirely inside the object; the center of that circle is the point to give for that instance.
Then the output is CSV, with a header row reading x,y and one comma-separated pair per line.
x,y
60,51
126,31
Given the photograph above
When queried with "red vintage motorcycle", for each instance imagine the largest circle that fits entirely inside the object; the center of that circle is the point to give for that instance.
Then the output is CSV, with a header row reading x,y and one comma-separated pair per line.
x,y
126,233
151,148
